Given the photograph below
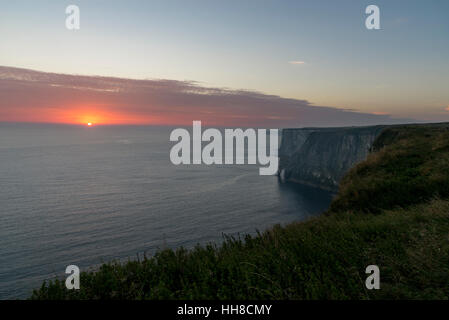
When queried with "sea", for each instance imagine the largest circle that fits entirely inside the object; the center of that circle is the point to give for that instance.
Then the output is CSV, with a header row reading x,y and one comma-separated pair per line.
x,y
78,195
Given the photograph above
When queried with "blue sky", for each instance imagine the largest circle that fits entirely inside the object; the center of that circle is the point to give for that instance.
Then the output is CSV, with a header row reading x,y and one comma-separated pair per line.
x,y
402,69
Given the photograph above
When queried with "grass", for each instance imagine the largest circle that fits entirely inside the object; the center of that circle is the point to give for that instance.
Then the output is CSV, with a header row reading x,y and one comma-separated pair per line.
x,y
392,210
409,165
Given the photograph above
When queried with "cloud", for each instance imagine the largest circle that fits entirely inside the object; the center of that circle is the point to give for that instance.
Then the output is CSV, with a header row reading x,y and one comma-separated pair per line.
x,y
296,62
27,95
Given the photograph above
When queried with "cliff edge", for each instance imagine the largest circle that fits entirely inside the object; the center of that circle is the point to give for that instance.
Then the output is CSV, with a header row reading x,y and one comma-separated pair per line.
x,y
321,156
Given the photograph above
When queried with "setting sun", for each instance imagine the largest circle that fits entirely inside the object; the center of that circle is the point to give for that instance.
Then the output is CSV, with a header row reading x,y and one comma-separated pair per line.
x,y
89,124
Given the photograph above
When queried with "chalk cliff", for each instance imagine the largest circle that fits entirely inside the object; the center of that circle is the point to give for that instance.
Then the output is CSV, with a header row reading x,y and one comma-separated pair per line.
x,y
321,156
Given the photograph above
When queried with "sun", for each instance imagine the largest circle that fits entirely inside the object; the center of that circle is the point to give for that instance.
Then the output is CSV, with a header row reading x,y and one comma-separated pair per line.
x,y
89,124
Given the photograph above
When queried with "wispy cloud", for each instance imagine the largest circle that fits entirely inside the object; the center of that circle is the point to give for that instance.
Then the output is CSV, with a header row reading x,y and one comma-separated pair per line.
x,y
296,62
27,95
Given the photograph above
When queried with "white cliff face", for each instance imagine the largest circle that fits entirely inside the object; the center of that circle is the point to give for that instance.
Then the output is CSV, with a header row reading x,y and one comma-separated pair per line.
x,y
321,156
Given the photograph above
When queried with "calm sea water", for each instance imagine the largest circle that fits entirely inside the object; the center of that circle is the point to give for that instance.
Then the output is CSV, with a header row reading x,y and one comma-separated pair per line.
x,y
83,196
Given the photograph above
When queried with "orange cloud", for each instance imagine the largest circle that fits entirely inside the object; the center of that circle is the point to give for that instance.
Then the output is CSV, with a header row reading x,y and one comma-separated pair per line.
x,y
296,62
31,96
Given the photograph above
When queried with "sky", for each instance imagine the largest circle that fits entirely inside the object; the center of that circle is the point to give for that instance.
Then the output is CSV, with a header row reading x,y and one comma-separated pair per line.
x,y
311,62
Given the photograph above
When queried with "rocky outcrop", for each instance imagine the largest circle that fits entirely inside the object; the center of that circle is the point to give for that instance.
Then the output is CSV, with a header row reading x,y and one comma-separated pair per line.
x,y
321,156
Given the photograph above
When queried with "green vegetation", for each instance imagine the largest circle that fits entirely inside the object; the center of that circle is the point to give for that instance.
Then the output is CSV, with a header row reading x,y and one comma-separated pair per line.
x,y
409,165
392,210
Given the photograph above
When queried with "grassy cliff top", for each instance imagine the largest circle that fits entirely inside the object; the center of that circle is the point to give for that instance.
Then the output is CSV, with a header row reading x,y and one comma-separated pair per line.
x,y
409,165
392,210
